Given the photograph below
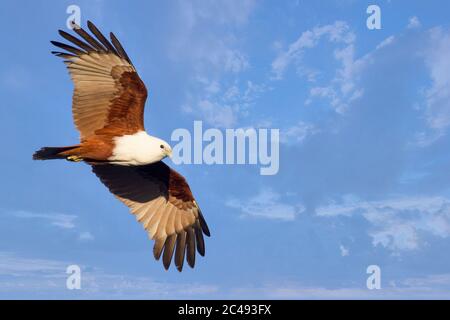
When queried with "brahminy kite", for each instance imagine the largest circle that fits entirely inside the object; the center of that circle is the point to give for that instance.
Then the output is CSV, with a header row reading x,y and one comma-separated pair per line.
x,y
108,110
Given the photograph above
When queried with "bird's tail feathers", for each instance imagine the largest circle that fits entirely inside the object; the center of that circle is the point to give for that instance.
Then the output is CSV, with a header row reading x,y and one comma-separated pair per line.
x,y
49,153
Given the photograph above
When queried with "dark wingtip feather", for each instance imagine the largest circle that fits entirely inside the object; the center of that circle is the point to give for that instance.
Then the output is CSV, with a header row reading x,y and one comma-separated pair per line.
x,y
90,24
67,48
203,224
200,241
168,250
119,47
89,39
98,42
158,247
76,41
100,37
63,54
180,250
190,248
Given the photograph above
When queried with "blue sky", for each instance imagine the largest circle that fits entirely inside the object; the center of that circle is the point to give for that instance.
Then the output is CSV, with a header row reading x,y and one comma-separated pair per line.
x,y
364,162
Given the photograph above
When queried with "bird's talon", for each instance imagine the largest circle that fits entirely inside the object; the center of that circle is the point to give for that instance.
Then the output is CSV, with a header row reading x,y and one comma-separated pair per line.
x,y
74,158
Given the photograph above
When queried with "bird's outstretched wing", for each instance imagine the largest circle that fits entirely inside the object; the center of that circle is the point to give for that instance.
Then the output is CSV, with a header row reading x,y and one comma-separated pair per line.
x,y
162,201
108,93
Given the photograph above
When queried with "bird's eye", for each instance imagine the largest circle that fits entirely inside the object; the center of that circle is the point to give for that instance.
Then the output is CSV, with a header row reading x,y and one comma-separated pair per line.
x,y
161,146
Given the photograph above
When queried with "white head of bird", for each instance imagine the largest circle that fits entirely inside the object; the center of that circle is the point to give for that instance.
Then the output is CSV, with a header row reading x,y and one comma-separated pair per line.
x,y
139,149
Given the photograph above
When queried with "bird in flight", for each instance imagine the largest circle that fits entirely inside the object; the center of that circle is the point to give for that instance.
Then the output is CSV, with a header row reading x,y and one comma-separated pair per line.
x,y
108,111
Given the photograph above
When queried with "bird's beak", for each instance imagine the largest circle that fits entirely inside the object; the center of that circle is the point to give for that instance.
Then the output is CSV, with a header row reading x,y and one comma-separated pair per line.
x,y
169,154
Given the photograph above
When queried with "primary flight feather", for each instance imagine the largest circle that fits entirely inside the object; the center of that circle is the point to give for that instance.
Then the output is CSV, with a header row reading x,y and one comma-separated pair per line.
x,y
108,111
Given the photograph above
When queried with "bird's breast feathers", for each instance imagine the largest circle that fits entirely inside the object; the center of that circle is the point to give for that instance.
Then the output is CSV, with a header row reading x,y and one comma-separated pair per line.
x,y
136,149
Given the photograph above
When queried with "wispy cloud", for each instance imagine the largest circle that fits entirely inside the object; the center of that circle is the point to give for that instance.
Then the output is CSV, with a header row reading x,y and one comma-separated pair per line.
x,y
342,89
414,23
266,204
11,265
297,133
389,40
427,287
344,250
46,278
397,223
86,236
437,96
337,33
207,38
30,277
222,106
60,220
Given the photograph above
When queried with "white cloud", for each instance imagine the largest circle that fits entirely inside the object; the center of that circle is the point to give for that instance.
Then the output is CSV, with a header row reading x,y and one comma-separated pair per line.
x,y
429,282
337,33
203,36
235,12
296,134
414,23
266,204
398,223
344,251
217,114
208,41
47,278
86,236
342,89
438,95
347,76
425,138
389,40
30,277
60,220
222,106
427,287
396,237
12,265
